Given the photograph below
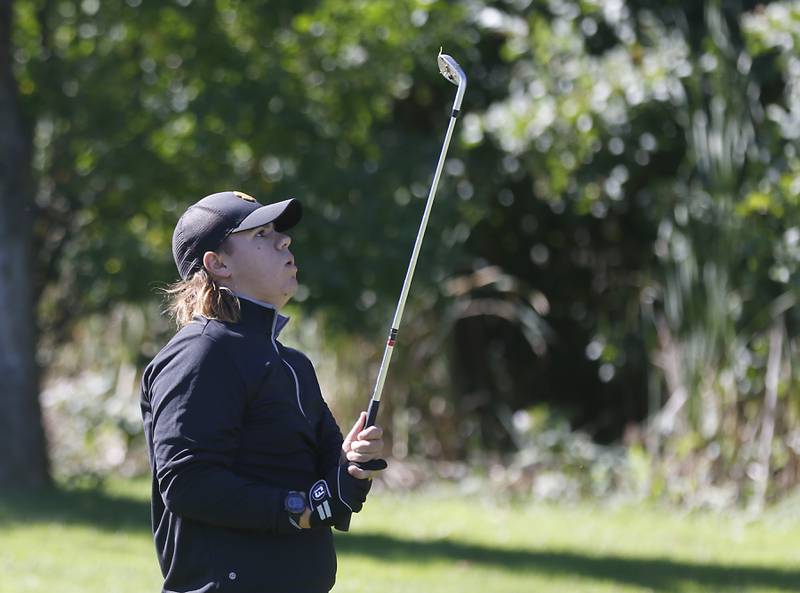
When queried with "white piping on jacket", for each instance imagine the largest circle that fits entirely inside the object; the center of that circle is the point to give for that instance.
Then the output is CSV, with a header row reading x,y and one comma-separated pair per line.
x,y
294,374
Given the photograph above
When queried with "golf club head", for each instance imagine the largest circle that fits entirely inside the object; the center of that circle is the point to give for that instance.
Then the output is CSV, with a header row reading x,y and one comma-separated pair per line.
x,y
450,69
453,72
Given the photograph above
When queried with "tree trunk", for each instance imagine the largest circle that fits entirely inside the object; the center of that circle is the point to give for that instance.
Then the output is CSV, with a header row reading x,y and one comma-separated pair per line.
x,y
23,457
760,469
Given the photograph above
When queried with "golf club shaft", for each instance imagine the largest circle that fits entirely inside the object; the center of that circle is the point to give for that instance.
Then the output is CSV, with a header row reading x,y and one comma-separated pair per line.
x,y
450,69
374,403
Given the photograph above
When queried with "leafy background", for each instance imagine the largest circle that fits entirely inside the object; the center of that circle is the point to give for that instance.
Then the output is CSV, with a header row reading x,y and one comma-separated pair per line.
x,y
606,298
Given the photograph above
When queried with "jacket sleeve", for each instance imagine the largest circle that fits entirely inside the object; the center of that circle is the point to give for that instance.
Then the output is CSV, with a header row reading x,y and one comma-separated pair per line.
x,y
329,437
198,400
330,441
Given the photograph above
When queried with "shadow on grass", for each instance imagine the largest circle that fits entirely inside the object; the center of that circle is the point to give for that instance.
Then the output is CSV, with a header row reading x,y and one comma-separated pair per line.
x,y
657,574
98,508
89,506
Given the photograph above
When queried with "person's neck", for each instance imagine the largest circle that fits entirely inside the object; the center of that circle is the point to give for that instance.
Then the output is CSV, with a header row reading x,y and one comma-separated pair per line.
x,y
254,310
256,301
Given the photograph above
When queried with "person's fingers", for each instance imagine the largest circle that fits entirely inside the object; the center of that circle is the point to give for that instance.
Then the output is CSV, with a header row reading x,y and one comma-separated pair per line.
x,y
360,457
359,473
370,433
368,447
362,418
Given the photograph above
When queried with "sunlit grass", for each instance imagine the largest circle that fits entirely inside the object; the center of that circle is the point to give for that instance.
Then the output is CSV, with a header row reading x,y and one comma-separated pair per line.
x,y
99,541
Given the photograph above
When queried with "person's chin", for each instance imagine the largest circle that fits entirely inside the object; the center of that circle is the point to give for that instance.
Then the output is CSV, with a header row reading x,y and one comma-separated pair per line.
x,y
291,289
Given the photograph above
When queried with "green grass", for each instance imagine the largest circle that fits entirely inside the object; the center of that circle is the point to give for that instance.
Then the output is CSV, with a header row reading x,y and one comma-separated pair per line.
x,y
87,541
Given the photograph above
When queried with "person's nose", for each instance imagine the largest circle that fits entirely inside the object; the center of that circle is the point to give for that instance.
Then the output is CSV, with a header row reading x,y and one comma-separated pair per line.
x,y
284,241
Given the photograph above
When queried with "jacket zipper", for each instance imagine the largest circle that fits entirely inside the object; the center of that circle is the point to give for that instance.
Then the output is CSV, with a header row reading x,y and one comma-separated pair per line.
x,y
294,374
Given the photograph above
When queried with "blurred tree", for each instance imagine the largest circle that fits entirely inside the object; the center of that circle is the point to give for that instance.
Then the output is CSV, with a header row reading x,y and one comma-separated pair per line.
x,y
617,220
650,150
142,108
23,462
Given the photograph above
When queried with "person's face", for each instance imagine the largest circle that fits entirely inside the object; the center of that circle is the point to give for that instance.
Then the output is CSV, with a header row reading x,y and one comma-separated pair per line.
x,y
259,265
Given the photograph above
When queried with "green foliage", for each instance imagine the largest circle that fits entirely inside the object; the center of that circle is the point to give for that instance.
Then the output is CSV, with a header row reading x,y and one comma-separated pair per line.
x,y
664,151
90,400
616,232
143,108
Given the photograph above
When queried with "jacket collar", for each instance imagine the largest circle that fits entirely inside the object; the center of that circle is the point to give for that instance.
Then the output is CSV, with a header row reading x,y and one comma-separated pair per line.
x,y
261,315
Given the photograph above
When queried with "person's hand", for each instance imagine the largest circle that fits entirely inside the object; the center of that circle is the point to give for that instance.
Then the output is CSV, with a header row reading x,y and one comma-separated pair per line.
x,y
365,448
305,519
333,498
344,490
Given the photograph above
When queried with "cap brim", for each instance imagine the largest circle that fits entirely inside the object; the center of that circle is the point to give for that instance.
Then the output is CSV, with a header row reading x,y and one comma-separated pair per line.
x,y
284,215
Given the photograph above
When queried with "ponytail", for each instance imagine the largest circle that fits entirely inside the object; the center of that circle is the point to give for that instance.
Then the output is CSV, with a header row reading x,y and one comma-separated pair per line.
x,y
201,295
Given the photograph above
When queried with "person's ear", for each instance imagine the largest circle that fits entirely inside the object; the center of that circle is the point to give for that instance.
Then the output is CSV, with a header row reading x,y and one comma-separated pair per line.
x,y
215,265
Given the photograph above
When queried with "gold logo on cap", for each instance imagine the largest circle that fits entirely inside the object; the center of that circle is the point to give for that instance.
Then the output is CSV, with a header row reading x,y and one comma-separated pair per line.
x,y
244,196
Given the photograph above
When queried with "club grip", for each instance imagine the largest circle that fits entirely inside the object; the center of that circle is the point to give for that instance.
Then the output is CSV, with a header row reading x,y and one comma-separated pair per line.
x,y
372,413
343,524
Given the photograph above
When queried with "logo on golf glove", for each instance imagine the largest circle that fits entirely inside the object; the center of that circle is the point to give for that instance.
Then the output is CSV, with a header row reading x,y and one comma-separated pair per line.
x,y
320,491
336,496
320,501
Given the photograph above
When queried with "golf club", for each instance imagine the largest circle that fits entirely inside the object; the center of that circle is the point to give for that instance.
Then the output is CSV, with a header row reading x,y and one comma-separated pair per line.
x,y
452,72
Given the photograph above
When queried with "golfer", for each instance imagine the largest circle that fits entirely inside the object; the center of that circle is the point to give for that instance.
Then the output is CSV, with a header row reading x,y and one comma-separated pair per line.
x,y
250,470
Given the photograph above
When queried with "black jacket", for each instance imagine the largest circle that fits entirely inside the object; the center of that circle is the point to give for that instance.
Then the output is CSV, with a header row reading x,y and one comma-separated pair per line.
x,y
233,421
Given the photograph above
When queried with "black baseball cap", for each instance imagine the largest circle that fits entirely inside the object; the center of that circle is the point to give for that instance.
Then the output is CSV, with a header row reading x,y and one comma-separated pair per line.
x,y
207,223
